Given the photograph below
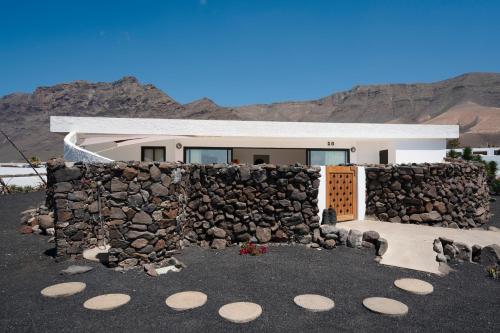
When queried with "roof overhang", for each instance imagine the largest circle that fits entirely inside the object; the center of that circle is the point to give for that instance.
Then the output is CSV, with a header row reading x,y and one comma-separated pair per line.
x,y
233,128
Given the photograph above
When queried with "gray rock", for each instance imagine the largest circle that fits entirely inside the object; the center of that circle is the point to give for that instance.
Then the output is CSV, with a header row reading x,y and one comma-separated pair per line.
x,y
158,190
355,238
77,196
437,246
67,174
63,187
217,232
118,186
371,236
155,173
45,221
219,244
432,216
450,251
263,234
142,218
329,244
343,236
76,269
441,257
328,229
464,251
382,246
490,255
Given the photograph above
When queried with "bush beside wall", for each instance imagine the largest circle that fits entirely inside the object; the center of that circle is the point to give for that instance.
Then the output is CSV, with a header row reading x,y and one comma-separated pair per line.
x,y
451,194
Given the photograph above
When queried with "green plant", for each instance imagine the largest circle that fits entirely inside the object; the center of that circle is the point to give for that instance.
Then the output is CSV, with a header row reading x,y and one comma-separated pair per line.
x,y
493,272
492,168
454,154
467,154
495,187
35,161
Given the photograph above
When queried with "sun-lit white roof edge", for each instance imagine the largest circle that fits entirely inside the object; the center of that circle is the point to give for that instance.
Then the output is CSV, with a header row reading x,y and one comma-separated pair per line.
x,y
237,128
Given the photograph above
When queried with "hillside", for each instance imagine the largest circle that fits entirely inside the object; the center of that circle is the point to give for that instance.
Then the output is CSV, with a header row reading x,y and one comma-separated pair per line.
x,y
471,100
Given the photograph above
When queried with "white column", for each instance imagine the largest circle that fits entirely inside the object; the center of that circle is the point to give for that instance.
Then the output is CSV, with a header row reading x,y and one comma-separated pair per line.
x,y
322,192
361,192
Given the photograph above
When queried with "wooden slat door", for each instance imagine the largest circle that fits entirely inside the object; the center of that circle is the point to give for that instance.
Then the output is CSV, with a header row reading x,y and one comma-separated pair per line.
x,y
341,191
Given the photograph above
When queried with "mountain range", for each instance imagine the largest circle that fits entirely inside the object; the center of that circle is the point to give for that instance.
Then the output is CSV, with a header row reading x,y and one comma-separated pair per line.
x,y
471,100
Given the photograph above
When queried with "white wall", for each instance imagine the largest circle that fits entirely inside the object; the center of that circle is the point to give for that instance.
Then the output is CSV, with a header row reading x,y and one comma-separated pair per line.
x,y
420,151
126,152
367,151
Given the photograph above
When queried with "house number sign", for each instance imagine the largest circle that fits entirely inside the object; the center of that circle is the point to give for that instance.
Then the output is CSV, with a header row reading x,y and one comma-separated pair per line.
x,y
331,143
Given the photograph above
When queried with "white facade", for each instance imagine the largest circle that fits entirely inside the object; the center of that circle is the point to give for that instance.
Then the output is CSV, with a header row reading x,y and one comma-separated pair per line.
x,y
108,139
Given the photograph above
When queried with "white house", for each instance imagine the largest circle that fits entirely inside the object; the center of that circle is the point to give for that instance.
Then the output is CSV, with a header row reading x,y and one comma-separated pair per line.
x,y
225,141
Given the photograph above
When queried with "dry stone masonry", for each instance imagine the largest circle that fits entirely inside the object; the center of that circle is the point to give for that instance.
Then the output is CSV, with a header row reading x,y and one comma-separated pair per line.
x,y
149,210
451,194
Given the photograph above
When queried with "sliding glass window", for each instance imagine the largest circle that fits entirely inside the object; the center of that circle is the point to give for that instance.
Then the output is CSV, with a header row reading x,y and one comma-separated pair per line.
x,y
327,157
149,154
208,155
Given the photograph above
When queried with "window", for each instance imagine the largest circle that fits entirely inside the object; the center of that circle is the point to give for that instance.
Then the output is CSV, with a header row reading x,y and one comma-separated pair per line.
x,y
496,152
208,155
149,154
480,152
260,159
327,156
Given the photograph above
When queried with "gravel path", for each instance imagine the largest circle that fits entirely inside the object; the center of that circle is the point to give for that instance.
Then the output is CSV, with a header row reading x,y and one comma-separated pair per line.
x,y
465,300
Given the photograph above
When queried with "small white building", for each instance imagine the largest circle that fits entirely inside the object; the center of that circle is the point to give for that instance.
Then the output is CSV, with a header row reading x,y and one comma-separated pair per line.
x,y
224,141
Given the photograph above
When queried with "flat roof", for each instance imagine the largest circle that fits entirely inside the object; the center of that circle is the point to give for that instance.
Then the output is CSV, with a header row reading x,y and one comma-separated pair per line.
x,y
237,128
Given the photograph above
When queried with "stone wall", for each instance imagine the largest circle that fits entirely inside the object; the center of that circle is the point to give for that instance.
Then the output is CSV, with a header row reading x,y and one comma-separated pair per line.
x,y
148,210
453,194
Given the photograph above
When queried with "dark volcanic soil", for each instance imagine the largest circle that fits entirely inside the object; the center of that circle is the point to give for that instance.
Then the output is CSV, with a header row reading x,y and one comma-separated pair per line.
x,y
466,300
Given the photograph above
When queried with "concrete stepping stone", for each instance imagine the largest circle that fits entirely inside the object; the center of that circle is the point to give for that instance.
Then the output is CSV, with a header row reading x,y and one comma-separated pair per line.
x,y
240,312
385,306
106,302
63,289
186,300
314,303
94,253
76,269
414,286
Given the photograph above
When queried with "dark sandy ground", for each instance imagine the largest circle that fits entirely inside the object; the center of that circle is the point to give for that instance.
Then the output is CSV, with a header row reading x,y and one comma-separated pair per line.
x,y
464,301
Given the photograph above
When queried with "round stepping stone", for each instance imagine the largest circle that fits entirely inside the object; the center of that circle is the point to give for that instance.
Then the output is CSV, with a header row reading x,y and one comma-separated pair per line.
x,y
93,253
186,300
63,289
414,286
106,302
314,303
386,306
240,312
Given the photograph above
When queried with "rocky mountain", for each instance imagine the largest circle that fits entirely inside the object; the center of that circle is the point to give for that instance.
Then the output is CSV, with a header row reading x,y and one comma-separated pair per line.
x,y
471,100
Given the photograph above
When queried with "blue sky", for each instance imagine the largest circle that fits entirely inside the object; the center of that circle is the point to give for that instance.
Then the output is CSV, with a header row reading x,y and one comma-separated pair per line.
x,y
242,52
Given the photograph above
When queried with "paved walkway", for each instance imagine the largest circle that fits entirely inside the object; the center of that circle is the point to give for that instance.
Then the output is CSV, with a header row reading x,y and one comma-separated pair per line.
x,y
410,245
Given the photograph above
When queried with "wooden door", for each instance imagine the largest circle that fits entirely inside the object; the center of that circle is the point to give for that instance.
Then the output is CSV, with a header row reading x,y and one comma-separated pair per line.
x,y
341,191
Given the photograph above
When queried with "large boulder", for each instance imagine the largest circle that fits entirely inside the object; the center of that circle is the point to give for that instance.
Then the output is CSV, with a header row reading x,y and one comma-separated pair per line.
x,y
490,255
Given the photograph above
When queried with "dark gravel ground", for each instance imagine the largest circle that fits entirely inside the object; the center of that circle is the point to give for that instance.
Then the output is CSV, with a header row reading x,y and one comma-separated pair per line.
x,y
465,300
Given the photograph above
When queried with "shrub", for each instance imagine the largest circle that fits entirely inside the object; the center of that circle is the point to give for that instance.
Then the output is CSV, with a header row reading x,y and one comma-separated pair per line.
x,y
493,272
467,154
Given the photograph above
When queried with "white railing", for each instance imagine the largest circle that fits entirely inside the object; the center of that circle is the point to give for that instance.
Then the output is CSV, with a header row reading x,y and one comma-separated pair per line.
x,y
73,153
